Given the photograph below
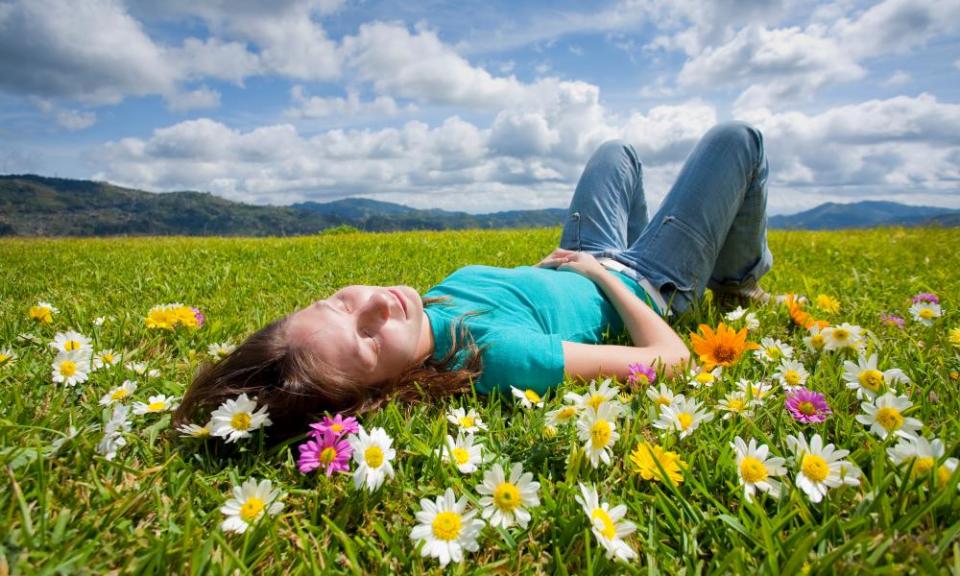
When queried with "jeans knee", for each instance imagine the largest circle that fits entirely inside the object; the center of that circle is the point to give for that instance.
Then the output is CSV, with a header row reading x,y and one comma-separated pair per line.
x,y
742,134
616,150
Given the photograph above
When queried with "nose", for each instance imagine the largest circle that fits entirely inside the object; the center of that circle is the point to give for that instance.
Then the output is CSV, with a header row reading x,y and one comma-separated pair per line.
x,y
378,305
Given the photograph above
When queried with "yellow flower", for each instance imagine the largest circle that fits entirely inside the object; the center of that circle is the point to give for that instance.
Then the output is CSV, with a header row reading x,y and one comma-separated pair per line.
x,y
721,348
828,303
646,456
955,337
161,317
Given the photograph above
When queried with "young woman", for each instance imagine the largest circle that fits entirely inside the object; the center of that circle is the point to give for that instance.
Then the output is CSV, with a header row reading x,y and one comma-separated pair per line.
x,y
528,327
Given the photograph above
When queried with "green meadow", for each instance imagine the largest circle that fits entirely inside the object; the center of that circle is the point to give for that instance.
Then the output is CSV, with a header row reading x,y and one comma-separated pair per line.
x,y
155,507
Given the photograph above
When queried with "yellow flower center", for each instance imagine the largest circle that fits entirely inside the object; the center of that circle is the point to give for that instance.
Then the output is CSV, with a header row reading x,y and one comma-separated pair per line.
x,y
467,421
595,401
752,470
156,406
107,358
792,377
328,455
704,378
506,496
567,412
889,418
336,427
923,465
531,396
609,530
807,408
815,467
600,434
642,379
943,475
461,455
251,509
240,421
926,313
68,368
735,404
446,526
685,419
871,380
840,334
817,341
119,394
663,400
373,456
3,357
774,352
71,345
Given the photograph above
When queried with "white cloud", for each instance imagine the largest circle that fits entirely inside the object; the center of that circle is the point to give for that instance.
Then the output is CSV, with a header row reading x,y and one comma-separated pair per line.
x,y
897,78
75,120
321,107
896,26
202,97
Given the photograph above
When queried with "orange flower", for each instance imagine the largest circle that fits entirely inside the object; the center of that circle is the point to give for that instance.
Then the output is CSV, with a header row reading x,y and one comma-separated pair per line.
x,y
799,316
721,348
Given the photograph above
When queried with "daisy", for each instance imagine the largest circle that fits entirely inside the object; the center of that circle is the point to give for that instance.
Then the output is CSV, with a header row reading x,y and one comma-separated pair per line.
x,y
955,337
735,404
721,348
608,524
922,455
596,397
374,455
641,375
755,468
816,341
140,369
756,392
663,396
338,425
735,315
249,503
891,320
328,451
194,431
466,455
505,500
446,528
648,460
867,380
99,320
43,312
844,336
105,359
791,374
699,377
925,312
561,415
7,356
807,406
467,421
158,403
751,321
926,297
598,431
819,465
237,418
773,350
828,303
71,341
884,416
850,473
221,350
683,415
529,397
71,368
113,432
120,393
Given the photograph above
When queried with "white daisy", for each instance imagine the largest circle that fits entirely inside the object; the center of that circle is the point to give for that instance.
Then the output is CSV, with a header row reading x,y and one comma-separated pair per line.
x,y
842,337
663,396
467,421
105,359
221,350
751,322
529,397
237,418
120,393
140,369
464,454
683,416
756,392
72,341
374,455
755,468
157,404
249,503
194,431
7,356
867,380
791,374
598,431
700,377
819,465
850,473
608,524
735,404
562,415
925,312
113,431
773,350
884,416
735,315
446,528
597,396
505,500
71,368
99,320
922,455
816,341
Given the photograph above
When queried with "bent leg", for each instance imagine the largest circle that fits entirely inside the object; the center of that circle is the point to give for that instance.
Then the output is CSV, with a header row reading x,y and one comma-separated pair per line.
x,y
608,209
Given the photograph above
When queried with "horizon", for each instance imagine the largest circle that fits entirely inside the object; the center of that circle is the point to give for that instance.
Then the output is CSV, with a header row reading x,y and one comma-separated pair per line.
x,y
320,100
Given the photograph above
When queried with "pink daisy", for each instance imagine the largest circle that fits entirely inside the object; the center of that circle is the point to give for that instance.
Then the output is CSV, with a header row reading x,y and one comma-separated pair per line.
x,y
641,374
891,320
338,425
199,316
330,452
926,297
807,406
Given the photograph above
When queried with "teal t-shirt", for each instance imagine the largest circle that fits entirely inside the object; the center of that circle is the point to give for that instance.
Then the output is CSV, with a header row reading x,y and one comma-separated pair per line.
x,y
527,312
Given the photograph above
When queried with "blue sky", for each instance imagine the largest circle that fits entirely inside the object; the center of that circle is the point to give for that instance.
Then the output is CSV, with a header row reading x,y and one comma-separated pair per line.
x,y
478,106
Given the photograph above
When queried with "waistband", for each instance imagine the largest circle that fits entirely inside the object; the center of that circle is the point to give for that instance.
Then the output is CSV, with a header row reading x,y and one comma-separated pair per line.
x,y
655,295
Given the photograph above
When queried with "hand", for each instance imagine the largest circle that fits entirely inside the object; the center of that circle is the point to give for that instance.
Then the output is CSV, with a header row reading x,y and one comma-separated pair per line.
x,y
582,263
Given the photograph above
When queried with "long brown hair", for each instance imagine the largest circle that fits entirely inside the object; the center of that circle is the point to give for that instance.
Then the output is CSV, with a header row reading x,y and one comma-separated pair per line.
x,y
295,385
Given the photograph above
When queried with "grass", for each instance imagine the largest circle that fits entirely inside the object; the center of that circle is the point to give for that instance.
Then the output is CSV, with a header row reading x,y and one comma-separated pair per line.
x,y
155,507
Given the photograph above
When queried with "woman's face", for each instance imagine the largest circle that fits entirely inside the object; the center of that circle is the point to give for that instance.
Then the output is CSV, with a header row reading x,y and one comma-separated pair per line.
x,y
373,333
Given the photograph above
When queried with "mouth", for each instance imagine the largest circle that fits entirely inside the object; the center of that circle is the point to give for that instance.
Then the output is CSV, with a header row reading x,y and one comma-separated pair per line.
x,y
399,297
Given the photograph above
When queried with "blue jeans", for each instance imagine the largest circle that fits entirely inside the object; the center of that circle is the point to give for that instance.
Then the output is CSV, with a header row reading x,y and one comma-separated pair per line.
x,y
710,232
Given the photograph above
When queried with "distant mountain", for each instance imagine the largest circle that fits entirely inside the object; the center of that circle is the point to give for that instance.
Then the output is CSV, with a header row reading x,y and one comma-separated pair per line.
x,y
39,206
866,214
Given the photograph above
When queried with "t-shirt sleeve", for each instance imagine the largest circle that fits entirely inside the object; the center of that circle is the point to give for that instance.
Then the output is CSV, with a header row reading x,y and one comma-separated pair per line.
x,y
524,359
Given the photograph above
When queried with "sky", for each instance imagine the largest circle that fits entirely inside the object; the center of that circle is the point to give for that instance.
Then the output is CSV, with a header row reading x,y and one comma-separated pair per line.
x,y
478,106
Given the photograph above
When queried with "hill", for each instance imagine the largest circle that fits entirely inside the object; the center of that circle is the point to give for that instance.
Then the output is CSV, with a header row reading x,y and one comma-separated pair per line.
x,y
866,214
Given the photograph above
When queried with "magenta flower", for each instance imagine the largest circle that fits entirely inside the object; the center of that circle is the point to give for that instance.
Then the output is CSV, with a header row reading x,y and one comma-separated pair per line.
x,y
807,406
338,425
199,316
891,320
926,297
641,374
329,452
